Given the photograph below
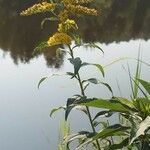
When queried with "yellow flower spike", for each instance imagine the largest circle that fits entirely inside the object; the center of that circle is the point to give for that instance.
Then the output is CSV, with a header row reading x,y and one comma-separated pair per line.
x,y
38,8
59,38
78,9
77,1
67,25
63,15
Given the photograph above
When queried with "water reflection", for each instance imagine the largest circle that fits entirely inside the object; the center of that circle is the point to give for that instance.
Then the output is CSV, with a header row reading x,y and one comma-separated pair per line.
x,y
119,21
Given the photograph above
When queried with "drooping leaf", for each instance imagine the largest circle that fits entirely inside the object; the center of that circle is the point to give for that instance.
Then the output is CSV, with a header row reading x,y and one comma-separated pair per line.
x,y
98,66
106,113
145,84
101,69
79,135
108,86
81,108
86,86
126,103
41,81
145,124
69,106
44,78
56,109
93,45
114,130
106,104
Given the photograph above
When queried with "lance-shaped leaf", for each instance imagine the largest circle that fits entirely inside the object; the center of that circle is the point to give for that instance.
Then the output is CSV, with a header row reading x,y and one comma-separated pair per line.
x,y
79,135
98,66
108,86
93,45
103,113
126,103
69,107
145,124
105,104
91,80
56,109
42,80
145,84
114,130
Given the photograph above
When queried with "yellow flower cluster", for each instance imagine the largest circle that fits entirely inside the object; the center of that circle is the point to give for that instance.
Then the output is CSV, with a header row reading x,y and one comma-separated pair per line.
x,y
38,8
59,38
67,25
70,6
63,15
77,1
78,9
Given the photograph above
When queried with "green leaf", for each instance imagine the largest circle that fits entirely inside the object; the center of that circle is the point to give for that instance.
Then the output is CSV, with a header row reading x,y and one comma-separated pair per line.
x,y
77,63
44,78
71,74
106,113
79,135
126,103
143,106
85,86
55,110
108,86
100,68
114,130
120,145
106,104
69,107
93,45
145,124
91,80
145,84
41,81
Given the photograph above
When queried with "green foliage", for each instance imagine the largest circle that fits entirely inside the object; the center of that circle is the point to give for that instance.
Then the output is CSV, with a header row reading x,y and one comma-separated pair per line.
x,y
145,84
133,130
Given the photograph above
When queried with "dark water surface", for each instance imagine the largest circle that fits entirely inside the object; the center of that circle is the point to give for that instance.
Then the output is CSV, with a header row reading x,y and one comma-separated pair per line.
x,y
121,29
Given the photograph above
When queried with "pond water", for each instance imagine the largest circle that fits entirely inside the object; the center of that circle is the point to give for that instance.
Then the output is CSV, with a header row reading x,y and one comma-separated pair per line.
x,y
121,30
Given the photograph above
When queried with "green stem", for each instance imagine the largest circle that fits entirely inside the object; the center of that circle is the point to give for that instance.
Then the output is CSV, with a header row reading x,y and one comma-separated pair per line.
x,y
83,94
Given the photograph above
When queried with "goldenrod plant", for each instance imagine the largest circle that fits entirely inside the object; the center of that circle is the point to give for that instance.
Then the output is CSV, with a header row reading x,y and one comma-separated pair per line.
x,y
62,11
133,132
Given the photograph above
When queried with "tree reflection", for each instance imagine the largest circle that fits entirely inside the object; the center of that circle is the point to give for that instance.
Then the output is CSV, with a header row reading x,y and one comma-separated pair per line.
x,y
118,21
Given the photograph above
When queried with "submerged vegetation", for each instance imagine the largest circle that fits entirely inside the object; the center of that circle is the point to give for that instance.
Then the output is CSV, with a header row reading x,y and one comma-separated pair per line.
x,y
132,130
